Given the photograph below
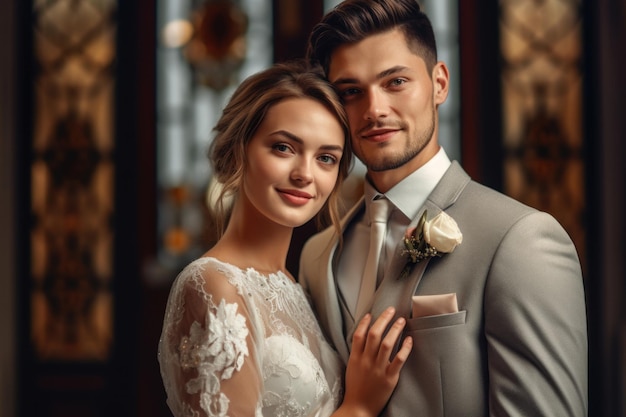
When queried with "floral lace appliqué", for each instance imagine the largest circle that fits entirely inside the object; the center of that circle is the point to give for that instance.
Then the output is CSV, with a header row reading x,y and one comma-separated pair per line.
x,y
297,372
215,352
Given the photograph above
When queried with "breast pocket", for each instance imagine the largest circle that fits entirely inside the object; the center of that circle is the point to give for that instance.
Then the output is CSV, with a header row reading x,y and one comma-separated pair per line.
x,y
435,365
439,337
440,321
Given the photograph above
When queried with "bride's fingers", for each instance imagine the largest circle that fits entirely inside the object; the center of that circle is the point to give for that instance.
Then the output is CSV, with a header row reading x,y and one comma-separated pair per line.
x,y
391,340
376,332
360,334
401,357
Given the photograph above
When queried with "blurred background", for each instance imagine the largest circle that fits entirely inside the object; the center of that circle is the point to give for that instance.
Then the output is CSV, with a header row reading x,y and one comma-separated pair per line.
x,y
106,111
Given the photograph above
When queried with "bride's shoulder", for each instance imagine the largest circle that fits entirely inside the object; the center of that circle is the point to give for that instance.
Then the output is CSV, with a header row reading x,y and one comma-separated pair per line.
x,y
209,275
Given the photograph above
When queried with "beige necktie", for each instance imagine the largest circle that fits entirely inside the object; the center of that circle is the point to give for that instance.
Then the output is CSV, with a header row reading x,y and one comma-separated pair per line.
x,y
378,214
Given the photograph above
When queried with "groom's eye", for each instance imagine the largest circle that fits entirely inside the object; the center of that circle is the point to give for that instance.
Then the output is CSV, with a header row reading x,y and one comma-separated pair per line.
x,y
349,92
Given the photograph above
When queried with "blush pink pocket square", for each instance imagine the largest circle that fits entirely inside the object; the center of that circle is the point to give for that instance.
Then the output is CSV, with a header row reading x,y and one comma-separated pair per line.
x,y
432,305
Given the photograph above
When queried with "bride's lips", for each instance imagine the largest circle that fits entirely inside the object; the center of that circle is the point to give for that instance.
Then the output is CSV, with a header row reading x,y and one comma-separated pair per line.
x,y
295,196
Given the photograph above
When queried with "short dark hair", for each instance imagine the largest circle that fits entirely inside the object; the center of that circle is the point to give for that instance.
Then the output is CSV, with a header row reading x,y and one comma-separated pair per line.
x,y
354,20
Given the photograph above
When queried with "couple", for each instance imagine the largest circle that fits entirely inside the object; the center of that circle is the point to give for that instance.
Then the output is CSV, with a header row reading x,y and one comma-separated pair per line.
x,y
488,313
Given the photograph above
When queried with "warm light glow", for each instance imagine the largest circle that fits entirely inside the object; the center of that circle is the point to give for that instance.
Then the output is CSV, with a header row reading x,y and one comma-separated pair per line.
x,y
177,33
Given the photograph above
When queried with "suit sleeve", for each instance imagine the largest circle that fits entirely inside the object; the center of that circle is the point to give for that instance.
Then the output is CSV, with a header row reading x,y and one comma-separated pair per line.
x,y
535,323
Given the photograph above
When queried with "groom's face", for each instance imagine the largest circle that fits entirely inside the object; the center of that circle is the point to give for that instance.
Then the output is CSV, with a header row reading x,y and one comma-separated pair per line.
x,y
390,97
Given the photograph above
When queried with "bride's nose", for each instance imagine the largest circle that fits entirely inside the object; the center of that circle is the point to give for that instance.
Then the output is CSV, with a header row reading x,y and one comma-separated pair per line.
x,y
302,172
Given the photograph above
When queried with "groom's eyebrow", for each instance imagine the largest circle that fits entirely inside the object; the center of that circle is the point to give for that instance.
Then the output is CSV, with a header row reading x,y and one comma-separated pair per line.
x,y
345,81
380,75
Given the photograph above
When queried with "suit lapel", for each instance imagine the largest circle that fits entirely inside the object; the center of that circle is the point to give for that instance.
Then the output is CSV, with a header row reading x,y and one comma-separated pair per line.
x,y
338,314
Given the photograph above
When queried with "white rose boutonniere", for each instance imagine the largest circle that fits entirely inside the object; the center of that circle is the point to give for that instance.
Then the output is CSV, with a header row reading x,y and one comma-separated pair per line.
x,y
430,238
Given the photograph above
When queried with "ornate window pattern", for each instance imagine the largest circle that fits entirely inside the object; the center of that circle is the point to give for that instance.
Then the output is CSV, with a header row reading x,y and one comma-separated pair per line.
x,y
541,49
205,48
72,179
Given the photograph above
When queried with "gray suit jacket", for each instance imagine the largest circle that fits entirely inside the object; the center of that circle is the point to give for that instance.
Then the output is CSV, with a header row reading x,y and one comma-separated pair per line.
x,y
517,346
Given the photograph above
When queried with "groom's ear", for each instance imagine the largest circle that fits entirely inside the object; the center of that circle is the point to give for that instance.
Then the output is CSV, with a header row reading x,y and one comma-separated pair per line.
x,y
441,82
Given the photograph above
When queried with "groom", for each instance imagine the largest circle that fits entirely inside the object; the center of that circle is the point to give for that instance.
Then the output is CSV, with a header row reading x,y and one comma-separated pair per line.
x,y
494,299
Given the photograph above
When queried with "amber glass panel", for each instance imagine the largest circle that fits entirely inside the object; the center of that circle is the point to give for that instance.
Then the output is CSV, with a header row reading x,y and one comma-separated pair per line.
x,y
541,49
72,180
205,49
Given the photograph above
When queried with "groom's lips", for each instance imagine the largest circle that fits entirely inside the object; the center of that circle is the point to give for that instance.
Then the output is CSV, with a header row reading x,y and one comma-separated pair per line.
x,y
379,135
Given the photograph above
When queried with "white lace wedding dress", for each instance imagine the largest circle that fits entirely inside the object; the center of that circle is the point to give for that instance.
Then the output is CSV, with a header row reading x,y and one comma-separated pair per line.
x,y
239,343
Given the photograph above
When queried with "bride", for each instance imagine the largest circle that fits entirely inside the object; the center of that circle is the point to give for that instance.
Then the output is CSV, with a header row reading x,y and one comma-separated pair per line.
x,y
239,337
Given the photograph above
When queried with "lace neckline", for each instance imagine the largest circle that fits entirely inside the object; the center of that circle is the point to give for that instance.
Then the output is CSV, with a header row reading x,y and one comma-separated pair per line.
x,y
279,275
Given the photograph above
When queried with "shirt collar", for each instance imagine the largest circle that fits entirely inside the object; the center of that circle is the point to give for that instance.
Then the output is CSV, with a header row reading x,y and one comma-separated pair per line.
x,y
410,194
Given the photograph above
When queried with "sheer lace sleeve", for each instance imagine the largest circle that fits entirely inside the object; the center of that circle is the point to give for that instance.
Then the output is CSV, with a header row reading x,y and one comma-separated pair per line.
x,y
207,352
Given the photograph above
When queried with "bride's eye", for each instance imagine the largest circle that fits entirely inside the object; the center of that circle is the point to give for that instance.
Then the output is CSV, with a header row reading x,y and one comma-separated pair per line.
x,y
281,147
327,159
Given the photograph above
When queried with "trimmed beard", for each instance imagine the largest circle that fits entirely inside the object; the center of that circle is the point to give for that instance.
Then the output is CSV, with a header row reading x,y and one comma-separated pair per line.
x,y
411,150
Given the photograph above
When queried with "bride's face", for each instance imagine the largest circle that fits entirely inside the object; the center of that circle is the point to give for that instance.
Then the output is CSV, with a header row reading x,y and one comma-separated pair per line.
x,y
293,161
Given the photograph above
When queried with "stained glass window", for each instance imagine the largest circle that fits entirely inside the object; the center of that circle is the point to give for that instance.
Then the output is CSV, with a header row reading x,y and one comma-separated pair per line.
x,y
205,49
541,49
72,179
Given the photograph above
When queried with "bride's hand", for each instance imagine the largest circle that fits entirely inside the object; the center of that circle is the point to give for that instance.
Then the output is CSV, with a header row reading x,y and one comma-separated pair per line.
x,y
372,374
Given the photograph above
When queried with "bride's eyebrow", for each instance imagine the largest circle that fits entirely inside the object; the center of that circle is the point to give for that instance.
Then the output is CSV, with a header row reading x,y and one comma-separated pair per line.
x,y
300,141
332,148
288,135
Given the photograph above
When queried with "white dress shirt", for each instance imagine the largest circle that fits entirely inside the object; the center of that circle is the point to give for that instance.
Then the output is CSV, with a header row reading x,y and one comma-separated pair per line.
x,y
407,198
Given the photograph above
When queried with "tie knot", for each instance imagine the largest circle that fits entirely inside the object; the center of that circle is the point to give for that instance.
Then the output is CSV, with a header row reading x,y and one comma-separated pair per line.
x,y
379,210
